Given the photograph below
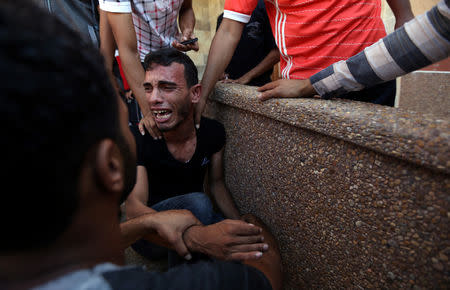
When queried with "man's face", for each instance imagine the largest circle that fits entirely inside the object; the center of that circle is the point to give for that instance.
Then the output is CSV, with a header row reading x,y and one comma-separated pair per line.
x,y
168,95
127,146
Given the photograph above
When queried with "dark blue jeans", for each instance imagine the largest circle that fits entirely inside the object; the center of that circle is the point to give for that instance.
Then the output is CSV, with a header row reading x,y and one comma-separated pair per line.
x,y
198,203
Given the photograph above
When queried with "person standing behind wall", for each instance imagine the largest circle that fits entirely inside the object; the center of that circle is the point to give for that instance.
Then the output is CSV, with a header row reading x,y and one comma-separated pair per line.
x,y
420,42
256,54
310,35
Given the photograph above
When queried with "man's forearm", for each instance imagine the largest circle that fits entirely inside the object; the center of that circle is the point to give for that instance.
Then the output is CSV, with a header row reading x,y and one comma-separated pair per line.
x,y
220,53
134,74
107,47
187,18
272,58
140,227
402,11
125,37
224,201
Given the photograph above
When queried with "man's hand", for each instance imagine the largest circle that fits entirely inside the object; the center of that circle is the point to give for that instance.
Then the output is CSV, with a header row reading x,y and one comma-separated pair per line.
x,y
187,35
287,89
129,95
170,225
227,240
243,80
150,125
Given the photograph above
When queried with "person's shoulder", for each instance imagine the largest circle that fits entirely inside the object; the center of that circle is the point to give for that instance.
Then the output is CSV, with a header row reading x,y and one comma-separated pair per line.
x,y
202,275
212,134
211,124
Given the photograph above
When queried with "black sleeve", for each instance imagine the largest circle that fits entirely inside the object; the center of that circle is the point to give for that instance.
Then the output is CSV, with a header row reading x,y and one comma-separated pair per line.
x,y
139,148
213,134
206,275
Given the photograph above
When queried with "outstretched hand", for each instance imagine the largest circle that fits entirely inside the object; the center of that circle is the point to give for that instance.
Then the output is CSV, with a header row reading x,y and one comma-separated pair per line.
x,y
286,89
150,125
227,240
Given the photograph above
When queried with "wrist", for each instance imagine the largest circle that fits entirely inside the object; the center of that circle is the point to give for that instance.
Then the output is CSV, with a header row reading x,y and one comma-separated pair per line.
x,y
190,237
308,90
187,32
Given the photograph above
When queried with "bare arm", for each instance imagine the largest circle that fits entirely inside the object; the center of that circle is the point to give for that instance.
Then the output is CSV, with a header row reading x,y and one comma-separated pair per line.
x,y
125,37
272,58
136,203
402,11
222,48
186,22
164,228
218,188
107,46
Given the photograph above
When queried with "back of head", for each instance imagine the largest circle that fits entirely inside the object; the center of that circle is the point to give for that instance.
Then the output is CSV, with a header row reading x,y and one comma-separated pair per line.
x,y
56,102
167,56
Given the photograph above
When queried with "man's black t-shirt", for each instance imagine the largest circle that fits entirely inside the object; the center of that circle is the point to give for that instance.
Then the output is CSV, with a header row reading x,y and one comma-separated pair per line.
x,y
168,177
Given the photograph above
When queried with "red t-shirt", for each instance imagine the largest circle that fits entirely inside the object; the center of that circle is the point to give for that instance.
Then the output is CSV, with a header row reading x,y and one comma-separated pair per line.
x,y
313,34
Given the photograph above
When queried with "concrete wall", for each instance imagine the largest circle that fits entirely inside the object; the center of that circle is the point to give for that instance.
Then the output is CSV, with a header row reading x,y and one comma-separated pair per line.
x,y
356,194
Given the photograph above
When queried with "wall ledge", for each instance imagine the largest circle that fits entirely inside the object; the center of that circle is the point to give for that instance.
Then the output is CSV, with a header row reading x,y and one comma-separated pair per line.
x,y
418,138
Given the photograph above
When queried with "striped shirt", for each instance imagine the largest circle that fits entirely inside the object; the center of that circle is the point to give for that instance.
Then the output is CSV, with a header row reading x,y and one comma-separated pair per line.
x,y
313,34
155,22
420,42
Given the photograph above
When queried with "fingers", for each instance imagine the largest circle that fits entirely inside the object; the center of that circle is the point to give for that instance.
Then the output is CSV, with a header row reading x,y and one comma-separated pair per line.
x,y
193,46
179,46
227,81
268,86
129,95
242,228
141,127
247,240
151,127
268,91
187,47
269,94
248,248
242,256
181,249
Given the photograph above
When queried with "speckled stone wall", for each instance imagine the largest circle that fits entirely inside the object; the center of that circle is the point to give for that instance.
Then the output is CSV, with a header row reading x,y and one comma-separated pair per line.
x,y
417,84
356,194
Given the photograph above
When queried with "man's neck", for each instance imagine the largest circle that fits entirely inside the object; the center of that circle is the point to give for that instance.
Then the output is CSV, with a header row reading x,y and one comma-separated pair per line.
x,y
182,141
184,132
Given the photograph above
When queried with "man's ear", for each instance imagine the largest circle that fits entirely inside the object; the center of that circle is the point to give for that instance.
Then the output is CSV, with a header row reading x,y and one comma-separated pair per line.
x,y
196,91
109,166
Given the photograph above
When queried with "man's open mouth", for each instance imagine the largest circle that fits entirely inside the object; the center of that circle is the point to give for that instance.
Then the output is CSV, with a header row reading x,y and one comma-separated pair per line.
x,y
162,115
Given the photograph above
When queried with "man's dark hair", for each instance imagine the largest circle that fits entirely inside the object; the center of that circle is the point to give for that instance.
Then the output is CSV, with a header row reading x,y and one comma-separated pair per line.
x,y
56,104
167,56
